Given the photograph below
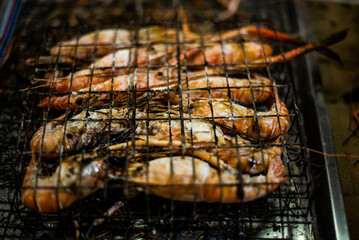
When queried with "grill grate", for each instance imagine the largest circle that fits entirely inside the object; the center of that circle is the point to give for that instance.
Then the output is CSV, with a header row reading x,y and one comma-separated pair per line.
x,y
283,214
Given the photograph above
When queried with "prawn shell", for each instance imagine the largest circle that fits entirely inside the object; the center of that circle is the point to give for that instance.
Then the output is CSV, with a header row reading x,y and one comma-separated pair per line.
x,y
221,87
230,53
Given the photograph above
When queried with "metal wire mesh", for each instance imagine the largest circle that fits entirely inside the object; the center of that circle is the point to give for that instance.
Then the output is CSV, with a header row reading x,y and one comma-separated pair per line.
x,y
283,214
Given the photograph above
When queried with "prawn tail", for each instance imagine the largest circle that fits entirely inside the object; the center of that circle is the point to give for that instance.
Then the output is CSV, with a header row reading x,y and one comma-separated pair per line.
x,y
333,39
289,55
283,37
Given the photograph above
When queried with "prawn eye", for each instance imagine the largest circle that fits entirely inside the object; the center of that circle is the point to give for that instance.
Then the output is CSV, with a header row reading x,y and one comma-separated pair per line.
x,y
79,101
252,162
153,128
116,161
69,135
160,74
86,160
139,168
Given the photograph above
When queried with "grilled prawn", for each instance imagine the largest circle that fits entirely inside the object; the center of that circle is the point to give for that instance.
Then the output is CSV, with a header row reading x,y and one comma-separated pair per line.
x,y
111,65
105,41
99,76
197,88
263,125
120,62
78,133
235,55
190,179
119,86
75,178
239,89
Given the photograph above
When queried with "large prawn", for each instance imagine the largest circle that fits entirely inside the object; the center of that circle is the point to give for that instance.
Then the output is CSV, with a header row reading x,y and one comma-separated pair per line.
x,y
119,86
102,42
81,175
256,125
239,89
120,62
110,65
49,142
190,179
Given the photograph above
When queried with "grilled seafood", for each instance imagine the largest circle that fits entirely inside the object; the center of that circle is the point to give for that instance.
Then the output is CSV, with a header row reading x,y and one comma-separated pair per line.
x,y
81,175
254,125
117,63
205,142
78,133
102,42
85,80
111,65
119,86
236,56
98,76
255,55
197,88
188,179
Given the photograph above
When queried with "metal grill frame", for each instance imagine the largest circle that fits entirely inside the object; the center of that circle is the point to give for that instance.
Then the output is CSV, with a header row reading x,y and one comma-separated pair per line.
x,y
291,220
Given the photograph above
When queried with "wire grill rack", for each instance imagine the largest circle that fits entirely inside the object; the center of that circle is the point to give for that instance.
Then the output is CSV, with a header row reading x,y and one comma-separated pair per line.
x,y
284,214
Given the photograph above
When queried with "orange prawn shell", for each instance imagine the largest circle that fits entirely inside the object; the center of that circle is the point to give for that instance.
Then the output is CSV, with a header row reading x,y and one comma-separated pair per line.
x,y
231,52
